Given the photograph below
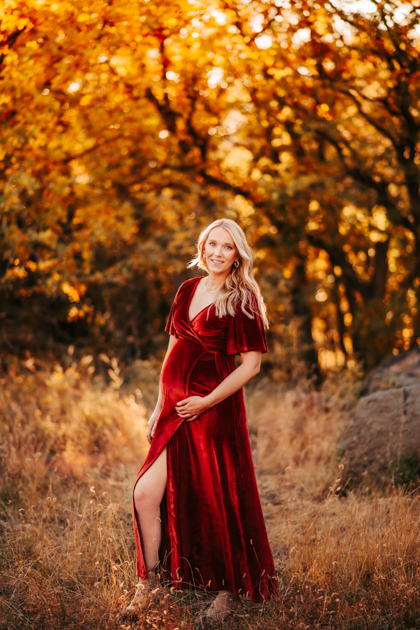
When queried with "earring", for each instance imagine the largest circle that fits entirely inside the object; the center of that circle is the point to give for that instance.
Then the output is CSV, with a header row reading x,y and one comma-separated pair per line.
x,y
236,263
204,257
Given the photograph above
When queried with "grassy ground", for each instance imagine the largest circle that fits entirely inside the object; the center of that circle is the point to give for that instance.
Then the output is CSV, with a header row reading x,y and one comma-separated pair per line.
x,y
71,445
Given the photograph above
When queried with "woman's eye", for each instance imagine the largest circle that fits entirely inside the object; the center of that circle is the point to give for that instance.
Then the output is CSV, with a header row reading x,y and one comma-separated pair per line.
x,y
228,247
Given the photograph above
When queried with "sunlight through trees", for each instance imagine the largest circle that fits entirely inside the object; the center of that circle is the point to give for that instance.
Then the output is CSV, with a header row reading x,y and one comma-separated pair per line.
x,y
126,127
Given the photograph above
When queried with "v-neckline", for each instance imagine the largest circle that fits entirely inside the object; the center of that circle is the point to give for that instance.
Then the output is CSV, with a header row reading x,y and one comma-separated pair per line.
x,y
190,321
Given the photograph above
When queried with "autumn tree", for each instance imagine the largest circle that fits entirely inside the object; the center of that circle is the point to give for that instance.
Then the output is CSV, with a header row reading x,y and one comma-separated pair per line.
x,y
126,127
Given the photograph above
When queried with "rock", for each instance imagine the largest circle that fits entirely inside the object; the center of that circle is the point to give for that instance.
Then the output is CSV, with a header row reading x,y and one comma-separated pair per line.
x,y
398,371
386,428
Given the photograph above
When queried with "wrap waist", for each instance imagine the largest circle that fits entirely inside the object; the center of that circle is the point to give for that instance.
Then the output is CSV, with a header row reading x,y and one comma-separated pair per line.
x,y
224,365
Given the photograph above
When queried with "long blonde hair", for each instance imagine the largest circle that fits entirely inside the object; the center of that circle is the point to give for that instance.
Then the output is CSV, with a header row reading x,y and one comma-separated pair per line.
x,y
240,283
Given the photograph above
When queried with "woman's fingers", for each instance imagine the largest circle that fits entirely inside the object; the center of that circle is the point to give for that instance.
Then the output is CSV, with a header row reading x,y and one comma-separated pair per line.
x,y
150,432
184,413
184,402
187,408
151,425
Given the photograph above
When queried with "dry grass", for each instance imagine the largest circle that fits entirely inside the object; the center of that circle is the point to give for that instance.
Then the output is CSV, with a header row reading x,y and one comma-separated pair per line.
x,y
71,447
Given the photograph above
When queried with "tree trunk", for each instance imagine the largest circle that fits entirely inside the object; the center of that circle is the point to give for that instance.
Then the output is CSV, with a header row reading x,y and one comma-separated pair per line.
x,y
306,346
381,268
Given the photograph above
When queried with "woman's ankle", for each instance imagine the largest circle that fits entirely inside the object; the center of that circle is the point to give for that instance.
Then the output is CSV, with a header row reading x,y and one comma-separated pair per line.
x,y
154,570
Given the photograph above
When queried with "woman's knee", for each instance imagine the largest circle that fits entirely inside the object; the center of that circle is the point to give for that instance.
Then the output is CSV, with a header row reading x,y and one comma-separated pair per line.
x,y
150,488
144,495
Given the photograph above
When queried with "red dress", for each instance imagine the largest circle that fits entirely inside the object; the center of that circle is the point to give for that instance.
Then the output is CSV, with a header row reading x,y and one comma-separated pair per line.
x,y
214,534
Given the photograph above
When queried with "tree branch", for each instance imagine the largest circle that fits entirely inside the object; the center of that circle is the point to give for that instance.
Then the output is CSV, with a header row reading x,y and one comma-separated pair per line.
x,y
338,258
10,40
370,120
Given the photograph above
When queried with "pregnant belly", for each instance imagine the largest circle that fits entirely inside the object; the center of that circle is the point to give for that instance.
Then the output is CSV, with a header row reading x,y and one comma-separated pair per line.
x,y
190,370
177,370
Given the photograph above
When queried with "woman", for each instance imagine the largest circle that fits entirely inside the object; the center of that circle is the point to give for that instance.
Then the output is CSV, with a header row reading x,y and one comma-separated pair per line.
x,y
197,513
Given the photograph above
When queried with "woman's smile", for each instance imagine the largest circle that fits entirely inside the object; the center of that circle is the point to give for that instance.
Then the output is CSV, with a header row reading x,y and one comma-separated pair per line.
x,y
220,250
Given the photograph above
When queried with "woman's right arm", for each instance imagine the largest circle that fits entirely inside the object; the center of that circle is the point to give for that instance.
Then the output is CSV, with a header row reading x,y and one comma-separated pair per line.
x,y
151,425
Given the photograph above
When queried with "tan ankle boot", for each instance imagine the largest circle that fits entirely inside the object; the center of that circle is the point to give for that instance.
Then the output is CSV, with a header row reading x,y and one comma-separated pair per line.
x,y
143,590
224,604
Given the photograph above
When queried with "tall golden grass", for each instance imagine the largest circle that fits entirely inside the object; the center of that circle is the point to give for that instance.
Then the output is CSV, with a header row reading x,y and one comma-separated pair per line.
x,y
71,445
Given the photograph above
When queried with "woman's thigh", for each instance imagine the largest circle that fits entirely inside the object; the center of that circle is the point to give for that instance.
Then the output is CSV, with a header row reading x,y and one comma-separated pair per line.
x,y
151,486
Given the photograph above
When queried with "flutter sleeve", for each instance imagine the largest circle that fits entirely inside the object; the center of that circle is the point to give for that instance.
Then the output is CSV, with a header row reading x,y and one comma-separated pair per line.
x,y
246,334
170,324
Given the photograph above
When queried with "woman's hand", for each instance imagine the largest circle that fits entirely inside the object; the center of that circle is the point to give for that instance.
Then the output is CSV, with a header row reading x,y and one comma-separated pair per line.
x,y
151,426
190,408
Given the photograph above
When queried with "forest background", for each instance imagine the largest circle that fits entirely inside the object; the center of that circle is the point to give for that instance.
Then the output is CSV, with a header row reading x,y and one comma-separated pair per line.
x,y
126,127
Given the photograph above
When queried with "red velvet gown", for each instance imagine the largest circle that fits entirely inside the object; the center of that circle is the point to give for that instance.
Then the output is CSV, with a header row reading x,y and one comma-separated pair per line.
x,y
214,535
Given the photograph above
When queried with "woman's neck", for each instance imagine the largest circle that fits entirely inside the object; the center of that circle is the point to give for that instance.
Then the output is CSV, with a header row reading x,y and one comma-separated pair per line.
x,y
214,282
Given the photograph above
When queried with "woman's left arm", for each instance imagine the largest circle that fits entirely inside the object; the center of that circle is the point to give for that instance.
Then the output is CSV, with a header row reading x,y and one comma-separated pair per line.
x,y
190,408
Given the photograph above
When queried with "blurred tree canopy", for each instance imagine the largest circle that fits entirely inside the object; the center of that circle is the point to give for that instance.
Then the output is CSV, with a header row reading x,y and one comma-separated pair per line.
x,y
128,126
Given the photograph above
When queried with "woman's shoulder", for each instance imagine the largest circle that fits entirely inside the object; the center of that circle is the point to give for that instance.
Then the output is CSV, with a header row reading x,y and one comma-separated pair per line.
x,y
186,286
188,283
248,299
246,328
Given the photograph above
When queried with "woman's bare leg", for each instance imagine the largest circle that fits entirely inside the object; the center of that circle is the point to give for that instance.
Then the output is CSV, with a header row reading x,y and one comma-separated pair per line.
x,y
148,495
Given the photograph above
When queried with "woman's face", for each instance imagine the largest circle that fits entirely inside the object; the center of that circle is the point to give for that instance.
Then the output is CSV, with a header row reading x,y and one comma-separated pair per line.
x,y
220,251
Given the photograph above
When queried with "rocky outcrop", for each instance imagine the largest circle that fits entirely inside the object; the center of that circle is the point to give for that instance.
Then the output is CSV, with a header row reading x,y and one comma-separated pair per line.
x,y
398,371
386,426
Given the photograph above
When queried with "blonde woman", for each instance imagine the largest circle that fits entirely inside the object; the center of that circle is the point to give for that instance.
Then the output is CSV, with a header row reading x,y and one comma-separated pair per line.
x,y
197,512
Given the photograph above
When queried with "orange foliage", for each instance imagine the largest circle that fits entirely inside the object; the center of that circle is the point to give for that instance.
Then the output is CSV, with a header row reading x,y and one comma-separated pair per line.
x,y
127,126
